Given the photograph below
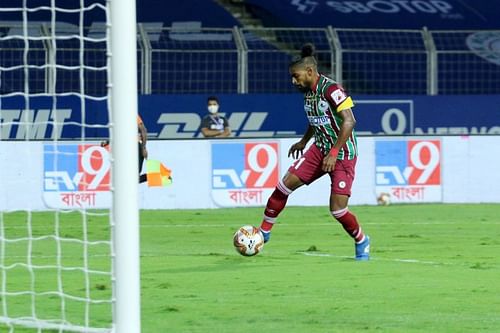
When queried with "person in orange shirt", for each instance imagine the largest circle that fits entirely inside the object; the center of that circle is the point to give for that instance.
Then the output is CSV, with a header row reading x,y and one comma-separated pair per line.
x,y
143,152
142,139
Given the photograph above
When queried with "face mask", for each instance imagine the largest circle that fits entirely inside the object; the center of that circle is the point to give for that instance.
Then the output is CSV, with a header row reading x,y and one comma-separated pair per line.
x,y
213,109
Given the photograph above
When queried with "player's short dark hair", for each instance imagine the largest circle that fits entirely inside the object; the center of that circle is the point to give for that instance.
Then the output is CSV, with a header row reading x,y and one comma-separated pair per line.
x,y
212,98
307,56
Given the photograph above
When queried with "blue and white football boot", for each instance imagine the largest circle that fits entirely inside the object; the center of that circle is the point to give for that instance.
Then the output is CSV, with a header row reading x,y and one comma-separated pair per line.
x,y
363,249
266,235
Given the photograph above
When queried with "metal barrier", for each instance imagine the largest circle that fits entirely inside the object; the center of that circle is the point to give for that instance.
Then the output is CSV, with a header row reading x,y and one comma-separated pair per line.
x,y
190,59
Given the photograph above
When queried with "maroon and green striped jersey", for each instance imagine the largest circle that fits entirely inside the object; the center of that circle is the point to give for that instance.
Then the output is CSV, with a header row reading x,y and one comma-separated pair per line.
x,y
322,105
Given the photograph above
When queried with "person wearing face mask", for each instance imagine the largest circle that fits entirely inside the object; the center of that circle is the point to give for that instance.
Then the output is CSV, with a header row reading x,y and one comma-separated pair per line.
x,y
214,125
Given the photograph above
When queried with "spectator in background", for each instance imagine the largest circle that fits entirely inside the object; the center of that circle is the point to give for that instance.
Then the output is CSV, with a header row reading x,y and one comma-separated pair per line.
x,y
213,125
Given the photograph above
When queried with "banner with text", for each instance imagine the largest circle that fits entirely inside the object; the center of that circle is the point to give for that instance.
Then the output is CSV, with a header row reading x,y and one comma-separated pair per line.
x,y
395,14
244,173
76,176
249,115
408,170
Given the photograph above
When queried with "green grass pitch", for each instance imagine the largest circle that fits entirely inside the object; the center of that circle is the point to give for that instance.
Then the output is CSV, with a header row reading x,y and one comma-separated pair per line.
x,y
434,268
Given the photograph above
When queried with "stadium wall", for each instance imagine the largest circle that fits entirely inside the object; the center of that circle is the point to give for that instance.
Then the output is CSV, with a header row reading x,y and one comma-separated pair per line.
x,y
237,172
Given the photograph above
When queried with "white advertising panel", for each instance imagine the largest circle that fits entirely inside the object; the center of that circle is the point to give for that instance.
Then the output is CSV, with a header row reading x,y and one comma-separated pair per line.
x,y
239,173
408,170
244,173
76,176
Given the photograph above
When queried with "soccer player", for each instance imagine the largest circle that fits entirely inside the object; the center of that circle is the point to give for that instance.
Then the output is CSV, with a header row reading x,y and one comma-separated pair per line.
x,y
334,151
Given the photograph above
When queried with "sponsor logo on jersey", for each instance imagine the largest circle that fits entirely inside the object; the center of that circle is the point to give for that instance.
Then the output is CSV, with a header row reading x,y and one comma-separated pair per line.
x,y
76,176
244,174
323,106
318,120
338,96
409,170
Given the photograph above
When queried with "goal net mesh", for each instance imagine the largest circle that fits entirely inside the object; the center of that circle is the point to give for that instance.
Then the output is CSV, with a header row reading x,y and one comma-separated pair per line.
x,y
56,269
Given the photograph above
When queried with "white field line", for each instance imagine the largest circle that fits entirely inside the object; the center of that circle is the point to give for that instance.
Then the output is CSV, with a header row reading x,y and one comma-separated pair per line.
x,y
319,254
411,261
309,254
305,253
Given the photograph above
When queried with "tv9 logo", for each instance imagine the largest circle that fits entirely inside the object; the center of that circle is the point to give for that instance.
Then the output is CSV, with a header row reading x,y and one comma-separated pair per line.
x,y
244,173
72,168
408,162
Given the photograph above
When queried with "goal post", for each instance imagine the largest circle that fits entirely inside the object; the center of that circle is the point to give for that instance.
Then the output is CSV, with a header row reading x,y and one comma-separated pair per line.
x,y
125,217
69,217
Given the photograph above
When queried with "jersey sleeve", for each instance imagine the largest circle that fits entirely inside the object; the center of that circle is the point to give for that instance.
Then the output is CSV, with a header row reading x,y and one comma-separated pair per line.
x,y
205,122
226,123
338,98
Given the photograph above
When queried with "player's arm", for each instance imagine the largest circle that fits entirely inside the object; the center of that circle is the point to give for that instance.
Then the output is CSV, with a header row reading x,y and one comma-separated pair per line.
x,y
297,148
307,135
346,128
340,103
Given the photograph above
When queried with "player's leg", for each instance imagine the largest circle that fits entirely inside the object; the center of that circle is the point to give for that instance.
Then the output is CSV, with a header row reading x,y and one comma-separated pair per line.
x,y
303,171
277,201
340,211
342,178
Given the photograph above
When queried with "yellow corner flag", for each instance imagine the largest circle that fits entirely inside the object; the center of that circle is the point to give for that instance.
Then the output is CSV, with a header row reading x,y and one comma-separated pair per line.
x,y
158,174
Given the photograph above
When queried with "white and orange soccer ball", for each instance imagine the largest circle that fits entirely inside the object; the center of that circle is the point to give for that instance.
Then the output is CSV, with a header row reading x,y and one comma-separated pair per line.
x,y
248,240
384,199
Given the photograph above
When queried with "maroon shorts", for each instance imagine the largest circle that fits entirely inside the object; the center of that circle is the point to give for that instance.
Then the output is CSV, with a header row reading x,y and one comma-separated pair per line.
x,y
308,169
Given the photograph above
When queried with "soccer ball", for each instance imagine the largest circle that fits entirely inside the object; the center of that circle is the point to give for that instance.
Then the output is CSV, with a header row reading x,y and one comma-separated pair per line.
x,y
384,199
248,240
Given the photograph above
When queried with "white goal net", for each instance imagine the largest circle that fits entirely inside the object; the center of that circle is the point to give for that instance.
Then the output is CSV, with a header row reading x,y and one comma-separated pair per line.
x,y
58,252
